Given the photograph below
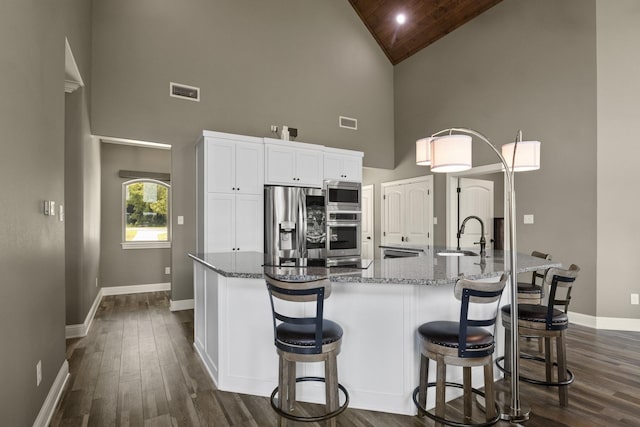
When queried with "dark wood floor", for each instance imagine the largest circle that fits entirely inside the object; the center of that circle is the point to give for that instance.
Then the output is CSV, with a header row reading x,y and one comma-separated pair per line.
x,y
137,367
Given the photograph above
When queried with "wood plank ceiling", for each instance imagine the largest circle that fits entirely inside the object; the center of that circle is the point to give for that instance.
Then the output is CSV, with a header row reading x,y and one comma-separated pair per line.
x,y
426,22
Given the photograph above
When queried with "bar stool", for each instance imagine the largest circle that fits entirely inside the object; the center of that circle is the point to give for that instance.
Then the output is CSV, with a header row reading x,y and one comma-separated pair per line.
x,y
466,343
305,339
532,293
547,322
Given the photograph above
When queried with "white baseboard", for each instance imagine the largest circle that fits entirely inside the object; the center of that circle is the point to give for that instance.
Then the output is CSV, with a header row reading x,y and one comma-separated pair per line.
x,y
55,392
136,289
182,304
82,329
612,323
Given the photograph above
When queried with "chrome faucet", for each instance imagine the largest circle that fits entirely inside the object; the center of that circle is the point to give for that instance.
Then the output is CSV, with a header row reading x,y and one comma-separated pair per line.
x,y
483,241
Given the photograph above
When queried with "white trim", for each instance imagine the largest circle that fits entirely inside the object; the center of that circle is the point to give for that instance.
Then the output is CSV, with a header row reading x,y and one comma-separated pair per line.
x,y
181,304
81,330
55,392
136,289
611,323
134,142
583,320
145,245
73,79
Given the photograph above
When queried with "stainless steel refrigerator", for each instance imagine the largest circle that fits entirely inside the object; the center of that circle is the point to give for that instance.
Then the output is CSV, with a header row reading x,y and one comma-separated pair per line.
x,y
294,226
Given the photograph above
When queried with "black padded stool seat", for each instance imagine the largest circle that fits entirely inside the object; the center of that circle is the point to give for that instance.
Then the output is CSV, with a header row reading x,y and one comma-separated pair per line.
x,y
448,334
526,288
538,313
305,335
467,343
306,339
548,322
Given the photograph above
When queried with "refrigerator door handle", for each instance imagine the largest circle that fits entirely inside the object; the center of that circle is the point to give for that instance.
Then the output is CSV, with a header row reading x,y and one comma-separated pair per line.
x,y
302,223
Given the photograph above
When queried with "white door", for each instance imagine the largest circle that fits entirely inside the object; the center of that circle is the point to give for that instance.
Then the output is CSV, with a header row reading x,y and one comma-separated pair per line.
x,y
220,221
220,166
476,198
392,198
280,165
248,223
417,212
249,168
368,243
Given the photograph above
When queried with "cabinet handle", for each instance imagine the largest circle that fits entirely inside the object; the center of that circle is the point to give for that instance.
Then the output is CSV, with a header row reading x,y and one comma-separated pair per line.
x,y
234,188
238,189
402,238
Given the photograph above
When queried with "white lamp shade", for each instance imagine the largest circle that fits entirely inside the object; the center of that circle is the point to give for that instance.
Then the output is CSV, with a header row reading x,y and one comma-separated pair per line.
x,y
451,153
423,151
527,155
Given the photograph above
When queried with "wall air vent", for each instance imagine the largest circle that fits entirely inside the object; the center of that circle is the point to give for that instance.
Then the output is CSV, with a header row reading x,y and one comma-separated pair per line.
x,y
348,123
178,90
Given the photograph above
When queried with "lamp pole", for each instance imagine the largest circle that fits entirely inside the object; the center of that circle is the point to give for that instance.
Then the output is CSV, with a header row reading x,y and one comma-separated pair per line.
x,y
516,413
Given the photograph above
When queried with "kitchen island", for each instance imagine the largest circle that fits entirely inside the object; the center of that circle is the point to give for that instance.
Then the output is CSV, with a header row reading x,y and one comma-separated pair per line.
x,y
379,309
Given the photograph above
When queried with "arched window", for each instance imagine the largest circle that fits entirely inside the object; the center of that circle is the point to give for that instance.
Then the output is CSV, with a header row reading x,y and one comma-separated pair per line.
x,y
145,214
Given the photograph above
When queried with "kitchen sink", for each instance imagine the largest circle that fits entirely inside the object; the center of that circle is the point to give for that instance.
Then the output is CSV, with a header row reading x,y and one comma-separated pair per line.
x,y
456,253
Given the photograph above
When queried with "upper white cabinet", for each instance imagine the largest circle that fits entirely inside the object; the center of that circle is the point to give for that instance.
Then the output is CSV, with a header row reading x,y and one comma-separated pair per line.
x,y
343,165
229,193
234,166
293,163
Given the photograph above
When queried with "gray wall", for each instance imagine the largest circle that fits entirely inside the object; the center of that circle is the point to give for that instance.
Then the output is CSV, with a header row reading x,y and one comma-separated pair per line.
x,y
296,62
121,267
82,179
32,246
520,65
618,151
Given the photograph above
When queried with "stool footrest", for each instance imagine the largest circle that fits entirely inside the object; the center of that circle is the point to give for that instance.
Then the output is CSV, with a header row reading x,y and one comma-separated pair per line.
x,y
324,417
453,422
566,382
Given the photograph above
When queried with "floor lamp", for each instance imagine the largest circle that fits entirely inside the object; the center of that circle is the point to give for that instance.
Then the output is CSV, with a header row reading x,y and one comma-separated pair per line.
x,y
449,150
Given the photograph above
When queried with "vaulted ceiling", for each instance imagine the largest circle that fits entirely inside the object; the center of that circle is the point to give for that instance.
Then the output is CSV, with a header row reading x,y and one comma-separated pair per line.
x,y
426,22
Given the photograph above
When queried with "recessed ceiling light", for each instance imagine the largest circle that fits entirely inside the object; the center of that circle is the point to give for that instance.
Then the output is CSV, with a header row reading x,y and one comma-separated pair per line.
x,y
401,18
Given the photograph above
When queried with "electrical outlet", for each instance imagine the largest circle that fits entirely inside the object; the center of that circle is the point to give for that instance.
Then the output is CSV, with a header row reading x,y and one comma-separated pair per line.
x,y
180,220
528,219
38,372
167,270
61,213
635,299
435,220
45,207
52,204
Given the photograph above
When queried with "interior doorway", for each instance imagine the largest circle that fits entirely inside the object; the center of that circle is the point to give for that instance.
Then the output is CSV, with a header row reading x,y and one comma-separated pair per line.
x,y
479,199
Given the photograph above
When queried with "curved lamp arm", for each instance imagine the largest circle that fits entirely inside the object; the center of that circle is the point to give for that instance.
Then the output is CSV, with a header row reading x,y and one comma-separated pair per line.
x,y
516,413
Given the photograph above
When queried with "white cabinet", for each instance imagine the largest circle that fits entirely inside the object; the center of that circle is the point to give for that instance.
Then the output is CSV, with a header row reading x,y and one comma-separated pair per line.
x,y
229,193
408,211
293,164
234,166
234,223
343,167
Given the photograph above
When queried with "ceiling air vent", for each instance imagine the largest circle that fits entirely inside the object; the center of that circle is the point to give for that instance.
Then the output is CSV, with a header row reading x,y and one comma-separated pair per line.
x,y
348,123
178,90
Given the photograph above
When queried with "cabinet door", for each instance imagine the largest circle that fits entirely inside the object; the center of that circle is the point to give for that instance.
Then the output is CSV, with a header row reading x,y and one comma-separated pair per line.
x,y
220,222
416,213
248,224
220,166
309,169
352,168
280,165
333,167
393,214
249,168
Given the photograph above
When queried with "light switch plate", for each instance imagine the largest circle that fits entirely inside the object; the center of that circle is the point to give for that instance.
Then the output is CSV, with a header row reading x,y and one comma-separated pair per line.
x,y
635,299
180,220
46,207
528,219
435,220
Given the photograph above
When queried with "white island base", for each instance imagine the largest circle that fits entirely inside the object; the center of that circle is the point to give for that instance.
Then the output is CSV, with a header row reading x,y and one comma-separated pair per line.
x,y
379,361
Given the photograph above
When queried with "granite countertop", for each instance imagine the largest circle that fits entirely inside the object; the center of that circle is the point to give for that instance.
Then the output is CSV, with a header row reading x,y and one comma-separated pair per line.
x,y
430,269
